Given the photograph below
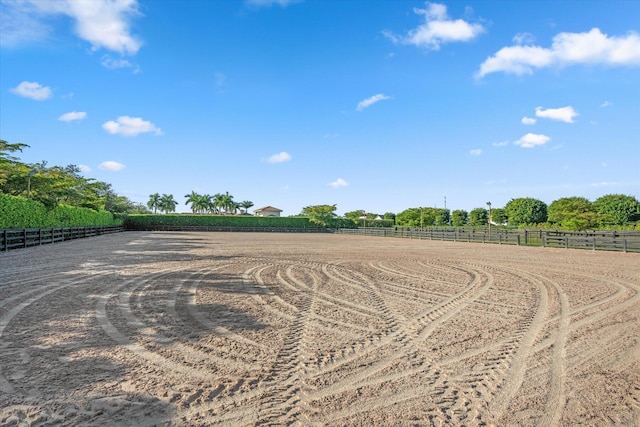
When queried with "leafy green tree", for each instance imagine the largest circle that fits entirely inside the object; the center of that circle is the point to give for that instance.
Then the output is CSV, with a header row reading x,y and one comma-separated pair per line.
x,y
154,202
323,215
167,203
617,209
572,213
499,216
193,199
246,205
355,215
478,217
526,210
459,218
390,215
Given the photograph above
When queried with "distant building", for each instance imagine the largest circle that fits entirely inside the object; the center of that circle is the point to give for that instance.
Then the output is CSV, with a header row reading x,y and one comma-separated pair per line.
x,y
268,211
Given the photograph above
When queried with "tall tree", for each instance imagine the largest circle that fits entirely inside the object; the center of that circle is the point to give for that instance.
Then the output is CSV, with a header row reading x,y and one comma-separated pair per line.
x,y
478,217
167,203
246,205
617,209
193,199
154,202
459,218
526,210
323,215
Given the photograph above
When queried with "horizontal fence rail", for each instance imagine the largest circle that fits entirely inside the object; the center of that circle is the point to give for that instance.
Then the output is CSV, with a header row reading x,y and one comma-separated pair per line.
x,y
14,238
601,240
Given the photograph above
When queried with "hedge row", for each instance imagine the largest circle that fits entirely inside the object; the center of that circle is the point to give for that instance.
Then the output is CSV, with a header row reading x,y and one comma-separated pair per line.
x,y
19,212
150,221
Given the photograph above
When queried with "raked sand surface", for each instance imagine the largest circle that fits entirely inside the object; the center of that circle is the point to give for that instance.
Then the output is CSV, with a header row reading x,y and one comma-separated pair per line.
x,y
252,329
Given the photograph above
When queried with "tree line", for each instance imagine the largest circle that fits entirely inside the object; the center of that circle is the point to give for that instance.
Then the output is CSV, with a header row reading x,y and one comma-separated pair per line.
x,y
200,203
57,185
569,213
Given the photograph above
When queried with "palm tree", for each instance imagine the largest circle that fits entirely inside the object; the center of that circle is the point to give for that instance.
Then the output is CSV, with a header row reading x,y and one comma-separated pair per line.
x,y
227,202
154,202
167,203
246,205
217,203
193,199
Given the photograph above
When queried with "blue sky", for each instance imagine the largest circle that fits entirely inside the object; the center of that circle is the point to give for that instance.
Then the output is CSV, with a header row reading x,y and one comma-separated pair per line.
x,y
374,105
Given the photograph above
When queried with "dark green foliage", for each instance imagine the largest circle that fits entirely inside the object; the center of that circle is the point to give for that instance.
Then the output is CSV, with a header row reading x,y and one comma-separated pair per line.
x,y
478,217
18,212
150,221
572,213
459,218
617,209
526,210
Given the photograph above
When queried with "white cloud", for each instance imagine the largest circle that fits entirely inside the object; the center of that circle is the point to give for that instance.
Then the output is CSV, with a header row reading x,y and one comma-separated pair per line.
x,y
523,38
531,140
606,104
603,184
279,158
112,166
74,115
564,114
102,23
130,126
370,101
500,144
437,29
32,90
528,121
338,183
476,152
84,168
117,63
592,47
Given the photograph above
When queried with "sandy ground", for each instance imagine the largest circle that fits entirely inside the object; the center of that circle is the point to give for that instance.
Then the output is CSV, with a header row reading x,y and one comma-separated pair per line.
x,y
252,329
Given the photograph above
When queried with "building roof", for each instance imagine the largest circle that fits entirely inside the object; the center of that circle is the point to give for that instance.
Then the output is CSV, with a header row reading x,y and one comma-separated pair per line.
x,y
268,209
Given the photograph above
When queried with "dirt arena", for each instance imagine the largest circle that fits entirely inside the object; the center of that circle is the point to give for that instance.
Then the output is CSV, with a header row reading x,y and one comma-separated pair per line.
x,y
251,329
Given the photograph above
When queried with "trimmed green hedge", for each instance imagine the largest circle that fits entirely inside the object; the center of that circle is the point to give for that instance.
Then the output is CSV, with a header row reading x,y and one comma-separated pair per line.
x,y
18,212
178,220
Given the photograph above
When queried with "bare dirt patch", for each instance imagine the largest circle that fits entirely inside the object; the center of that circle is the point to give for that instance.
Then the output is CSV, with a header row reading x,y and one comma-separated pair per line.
x,y
251,329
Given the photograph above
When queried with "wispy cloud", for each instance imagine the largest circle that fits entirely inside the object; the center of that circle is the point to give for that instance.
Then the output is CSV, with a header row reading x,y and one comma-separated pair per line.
x,y
338,183
105,24
528,121
84,168
476,152
370,101
606,104
566,49
531,140
130,126
563,114
279,158
74,115
500,144
111,165
32,90
437,29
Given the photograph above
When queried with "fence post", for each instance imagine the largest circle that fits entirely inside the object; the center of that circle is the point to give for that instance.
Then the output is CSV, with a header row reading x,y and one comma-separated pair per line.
x,y
40,236
518,239
6,243
624,245
24,236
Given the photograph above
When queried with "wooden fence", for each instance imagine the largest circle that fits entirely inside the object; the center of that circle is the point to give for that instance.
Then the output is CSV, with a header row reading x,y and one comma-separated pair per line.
x,y
27,237
601,240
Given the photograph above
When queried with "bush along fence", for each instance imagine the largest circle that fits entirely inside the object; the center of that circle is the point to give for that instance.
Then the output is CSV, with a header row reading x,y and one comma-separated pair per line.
x,y
220,223
27,237
593,240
